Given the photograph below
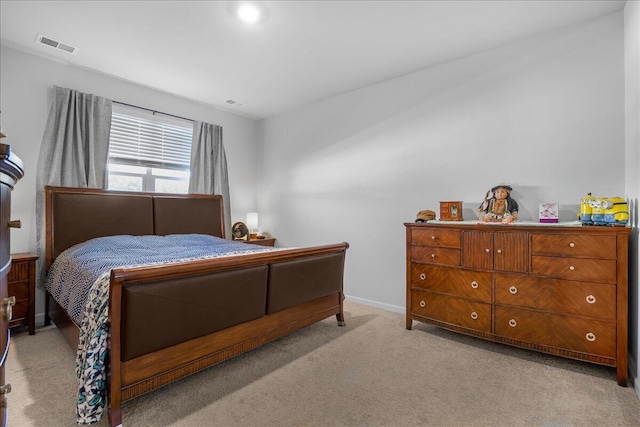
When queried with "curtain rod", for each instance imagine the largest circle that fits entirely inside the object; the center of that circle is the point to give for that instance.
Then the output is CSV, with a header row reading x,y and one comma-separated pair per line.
x,y
153,111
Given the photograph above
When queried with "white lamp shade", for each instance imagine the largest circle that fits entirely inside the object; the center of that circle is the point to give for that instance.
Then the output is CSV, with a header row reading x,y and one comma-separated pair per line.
x,y
252,220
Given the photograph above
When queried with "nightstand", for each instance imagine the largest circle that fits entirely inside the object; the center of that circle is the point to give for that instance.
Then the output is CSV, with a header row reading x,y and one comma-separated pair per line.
x,y
263,242
22,285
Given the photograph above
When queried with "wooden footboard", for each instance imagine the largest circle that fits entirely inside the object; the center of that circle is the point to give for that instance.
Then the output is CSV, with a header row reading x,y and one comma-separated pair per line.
x,y
314,275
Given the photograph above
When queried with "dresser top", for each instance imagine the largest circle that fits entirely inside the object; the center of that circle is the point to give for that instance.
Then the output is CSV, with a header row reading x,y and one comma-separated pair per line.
x,y
574,226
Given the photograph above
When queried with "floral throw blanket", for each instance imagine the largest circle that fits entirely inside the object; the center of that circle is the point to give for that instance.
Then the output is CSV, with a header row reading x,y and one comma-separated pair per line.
x,y
79,281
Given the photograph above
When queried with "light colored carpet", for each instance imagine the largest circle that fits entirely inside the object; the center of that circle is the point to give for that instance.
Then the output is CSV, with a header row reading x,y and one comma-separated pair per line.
x,y
373,372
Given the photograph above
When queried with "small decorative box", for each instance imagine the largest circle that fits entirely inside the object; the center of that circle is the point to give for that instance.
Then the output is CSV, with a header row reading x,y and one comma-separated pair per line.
x,y
549,212
451,211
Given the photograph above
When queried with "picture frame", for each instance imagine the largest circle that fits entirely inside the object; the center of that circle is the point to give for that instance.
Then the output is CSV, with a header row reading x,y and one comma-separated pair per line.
x,y
549,212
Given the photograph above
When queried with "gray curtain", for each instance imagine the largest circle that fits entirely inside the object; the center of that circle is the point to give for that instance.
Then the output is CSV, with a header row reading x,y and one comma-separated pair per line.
x,y
74,149
209,167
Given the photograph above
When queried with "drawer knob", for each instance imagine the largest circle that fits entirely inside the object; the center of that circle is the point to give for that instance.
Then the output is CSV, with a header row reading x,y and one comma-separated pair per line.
x,y
513,323
572,268
591,299
16,223
7,305
423,276
499,251
474,284
423,304
433,237
513,290
433,255
590,336
571,245
487,250
474,315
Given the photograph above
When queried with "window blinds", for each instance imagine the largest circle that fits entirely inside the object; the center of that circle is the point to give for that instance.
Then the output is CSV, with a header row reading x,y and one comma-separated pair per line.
x,y
142,139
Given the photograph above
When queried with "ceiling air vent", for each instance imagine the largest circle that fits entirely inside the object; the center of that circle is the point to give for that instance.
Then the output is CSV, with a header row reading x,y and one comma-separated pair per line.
x,y
56,44
232,102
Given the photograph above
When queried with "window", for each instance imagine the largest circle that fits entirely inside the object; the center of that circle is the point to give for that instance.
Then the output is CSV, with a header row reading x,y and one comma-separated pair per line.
x,y
148,152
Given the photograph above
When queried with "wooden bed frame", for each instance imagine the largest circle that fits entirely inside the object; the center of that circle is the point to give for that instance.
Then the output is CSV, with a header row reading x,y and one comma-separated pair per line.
x,y
217,308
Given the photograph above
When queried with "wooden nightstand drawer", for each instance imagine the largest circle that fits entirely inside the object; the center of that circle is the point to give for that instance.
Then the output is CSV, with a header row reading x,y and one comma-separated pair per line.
x,y
21,284
262,242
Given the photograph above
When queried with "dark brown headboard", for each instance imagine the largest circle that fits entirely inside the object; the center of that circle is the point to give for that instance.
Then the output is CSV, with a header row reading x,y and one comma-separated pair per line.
x,y
74,215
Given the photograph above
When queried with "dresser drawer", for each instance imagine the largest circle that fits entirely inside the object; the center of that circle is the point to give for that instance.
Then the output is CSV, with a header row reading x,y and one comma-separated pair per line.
x,y
465,283
583,269
453,310
440,256
565,332
562,296
588,246
431,237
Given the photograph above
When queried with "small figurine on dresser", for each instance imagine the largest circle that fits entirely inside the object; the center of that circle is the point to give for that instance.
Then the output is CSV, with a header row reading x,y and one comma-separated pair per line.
x,y
498,206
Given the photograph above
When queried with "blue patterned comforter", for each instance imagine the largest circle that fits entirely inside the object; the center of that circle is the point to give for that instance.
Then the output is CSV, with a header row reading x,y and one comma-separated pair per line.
x,y
79,281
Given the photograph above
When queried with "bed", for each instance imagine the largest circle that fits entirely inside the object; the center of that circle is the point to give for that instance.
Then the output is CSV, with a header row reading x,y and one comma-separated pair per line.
x,y
208,310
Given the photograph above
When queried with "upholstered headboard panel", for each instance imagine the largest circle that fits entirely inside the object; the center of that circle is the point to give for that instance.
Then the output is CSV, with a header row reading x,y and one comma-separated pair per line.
x,y
74,215
182,215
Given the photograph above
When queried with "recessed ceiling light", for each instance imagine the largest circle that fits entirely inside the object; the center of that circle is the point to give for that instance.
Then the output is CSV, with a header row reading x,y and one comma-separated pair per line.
x,y
248,13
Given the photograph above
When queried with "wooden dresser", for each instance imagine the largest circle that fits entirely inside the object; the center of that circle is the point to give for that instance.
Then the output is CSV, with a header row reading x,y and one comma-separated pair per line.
x,y
558,289
11,170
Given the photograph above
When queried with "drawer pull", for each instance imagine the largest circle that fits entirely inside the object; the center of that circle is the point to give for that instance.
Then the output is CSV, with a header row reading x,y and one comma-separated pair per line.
x,y
423,304
572,268
499,251
513,290
433,255
474,315
591,299
423,276
4,389
16,223
433,237
8,304
571,245
590,336
513,323
487,250
474,284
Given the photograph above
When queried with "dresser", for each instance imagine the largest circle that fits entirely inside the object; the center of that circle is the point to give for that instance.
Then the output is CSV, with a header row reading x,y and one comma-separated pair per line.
x,y
557,289
11,170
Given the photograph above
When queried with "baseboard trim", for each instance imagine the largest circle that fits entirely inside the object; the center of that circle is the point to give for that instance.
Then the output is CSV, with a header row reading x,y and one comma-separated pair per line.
x,y
376,304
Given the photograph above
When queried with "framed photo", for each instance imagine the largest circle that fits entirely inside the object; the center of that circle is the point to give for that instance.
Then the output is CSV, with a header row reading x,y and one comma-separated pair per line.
x,y
549,212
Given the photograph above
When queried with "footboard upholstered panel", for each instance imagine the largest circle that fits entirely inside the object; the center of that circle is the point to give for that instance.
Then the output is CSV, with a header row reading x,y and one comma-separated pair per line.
x,y
160,314
301,280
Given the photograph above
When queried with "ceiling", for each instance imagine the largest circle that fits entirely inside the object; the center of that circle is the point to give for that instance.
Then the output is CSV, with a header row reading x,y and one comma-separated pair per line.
x,y
299,53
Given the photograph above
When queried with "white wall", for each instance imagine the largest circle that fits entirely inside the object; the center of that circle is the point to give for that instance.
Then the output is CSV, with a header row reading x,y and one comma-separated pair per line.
x,y
26,83
632,170
544,114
